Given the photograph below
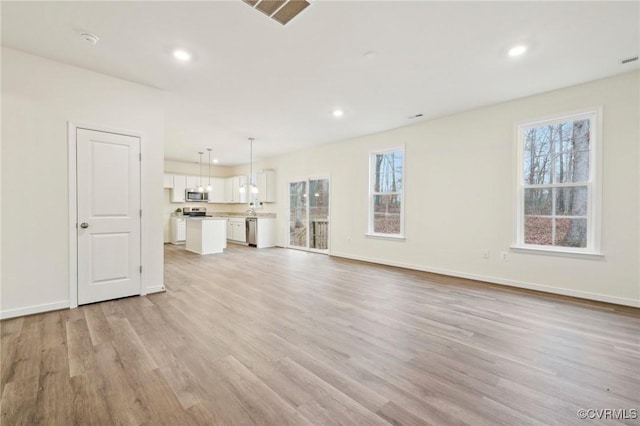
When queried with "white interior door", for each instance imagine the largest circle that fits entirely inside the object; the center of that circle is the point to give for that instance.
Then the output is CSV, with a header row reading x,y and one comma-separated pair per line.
x,y
108,200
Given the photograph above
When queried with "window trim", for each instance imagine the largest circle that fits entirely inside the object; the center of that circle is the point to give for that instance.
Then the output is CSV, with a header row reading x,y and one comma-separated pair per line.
x,y
594,208
370,232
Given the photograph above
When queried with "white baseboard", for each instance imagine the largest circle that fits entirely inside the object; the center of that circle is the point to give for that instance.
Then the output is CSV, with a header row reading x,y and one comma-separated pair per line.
x,y
35,309
493,280
155,289
46,307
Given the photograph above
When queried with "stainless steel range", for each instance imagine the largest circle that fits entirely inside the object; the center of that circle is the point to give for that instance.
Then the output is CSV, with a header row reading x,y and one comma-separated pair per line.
x,y
194,211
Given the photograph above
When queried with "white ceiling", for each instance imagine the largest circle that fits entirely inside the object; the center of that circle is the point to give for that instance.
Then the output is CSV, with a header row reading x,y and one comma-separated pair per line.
x,y
252,77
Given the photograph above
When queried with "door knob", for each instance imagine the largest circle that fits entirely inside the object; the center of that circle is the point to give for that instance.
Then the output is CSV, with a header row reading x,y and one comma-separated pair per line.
x,y
84,225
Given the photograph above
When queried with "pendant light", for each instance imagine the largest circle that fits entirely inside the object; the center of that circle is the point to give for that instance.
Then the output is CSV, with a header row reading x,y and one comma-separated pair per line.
x,y
252,188
200,188
209,187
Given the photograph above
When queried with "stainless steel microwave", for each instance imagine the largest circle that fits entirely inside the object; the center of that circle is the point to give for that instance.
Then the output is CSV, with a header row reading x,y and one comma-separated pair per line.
x,y
192,194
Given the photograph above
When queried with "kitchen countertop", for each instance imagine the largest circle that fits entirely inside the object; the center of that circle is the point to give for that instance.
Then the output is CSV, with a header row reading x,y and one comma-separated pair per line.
x,y
258,215
225,215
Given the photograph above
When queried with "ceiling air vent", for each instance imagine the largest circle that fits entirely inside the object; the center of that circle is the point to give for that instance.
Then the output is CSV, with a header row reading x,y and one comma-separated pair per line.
x,y
281,11
626,61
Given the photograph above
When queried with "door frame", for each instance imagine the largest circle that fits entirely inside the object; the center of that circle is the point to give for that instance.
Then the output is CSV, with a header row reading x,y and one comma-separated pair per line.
x,y
288,245
72,127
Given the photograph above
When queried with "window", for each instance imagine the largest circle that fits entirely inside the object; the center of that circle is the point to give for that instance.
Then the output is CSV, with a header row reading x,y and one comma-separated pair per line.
x,y
385,193
557,193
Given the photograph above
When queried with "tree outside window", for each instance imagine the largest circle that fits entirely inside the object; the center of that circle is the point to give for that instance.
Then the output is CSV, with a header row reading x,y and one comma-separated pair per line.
x,y
557,182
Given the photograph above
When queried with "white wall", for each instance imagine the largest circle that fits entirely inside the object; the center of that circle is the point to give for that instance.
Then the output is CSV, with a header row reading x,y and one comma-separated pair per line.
x,y
459,186
460,195
39,97
184,168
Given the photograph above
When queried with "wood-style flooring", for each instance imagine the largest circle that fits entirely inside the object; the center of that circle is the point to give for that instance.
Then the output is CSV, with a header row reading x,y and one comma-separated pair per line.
x,y
283,337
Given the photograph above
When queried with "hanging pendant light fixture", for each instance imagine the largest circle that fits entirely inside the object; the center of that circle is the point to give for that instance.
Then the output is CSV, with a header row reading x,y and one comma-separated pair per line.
x,y
250,186
200,188
209,187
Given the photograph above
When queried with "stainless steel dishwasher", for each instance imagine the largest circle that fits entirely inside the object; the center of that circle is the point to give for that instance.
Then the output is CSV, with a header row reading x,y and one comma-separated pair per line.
x,y
252,231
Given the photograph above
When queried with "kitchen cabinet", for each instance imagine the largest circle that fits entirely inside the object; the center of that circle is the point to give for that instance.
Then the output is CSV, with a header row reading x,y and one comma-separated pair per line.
x,y
193,181
266,232
229,229
266,186
232,192
240,232
228,190
243,197
178,230
206,235
217,193
236,229
168,181
179,186
225,190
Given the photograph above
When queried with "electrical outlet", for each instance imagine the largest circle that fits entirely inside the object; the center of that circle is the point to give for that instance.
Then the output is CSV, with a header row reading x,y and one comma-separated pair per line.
x,y
486,254
504,255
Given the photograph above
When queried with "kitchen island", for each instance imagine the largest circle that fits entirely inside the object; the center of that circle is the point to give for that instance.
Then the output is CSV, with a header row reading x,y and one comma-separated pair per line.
x,y
206,235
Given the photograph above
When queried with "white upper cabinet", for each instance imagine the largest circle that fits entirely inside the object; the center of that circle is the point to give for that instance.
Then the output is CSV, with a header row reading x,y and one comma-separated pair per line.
x,y
193,181
266,186
243,197
232,192
168,181
224,190
179,186
217,193
228,190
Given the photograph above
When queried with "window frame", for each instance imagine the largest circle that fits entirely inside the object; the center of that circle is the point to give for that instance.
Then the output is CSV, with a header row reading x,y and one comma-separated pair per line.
x,y
594,184
372,194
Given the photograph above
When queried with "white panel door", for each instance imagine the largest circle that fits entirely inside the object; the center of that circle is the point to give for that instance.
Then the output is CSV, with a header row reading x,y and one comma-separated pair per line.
x,y
108,181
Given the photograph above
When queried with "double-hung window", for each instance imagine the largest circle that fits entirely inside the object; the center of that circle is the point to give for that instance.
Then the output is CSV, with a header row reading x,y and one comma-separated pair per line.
x,y
386,202
558,196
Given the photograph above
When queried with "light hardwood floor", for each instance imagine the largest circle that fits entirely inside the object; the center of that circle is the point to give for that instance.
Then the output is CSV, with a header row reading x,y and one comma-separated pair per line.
x,y
284,337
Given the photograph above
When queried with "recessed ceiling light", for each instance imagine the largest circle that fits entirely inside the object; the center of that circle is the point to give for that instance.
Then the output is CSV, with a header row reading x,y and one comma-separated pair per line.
x,y
517,50
369,54
90,38
182,55
338,113
215,161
